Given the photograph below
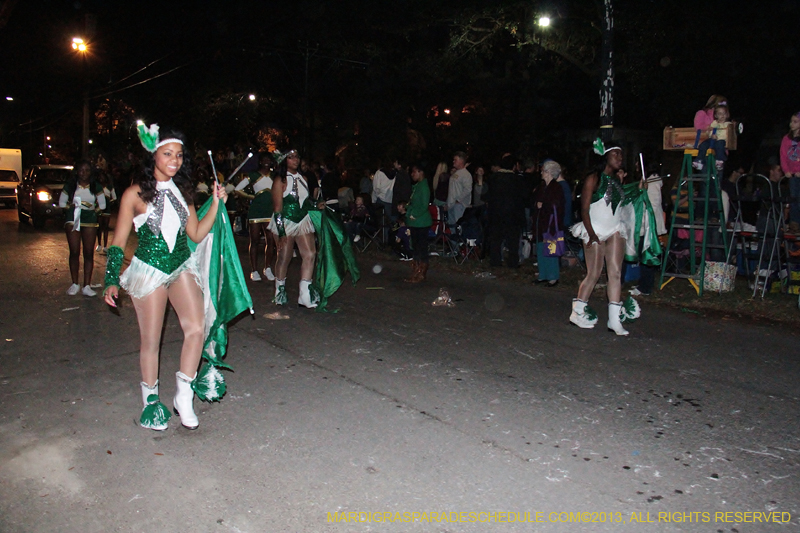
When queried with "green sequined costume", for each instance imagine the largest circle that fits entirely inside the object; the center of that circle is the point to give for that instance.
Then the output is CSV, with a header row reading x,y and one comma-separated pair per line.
x,y
623,209
154,264
295,213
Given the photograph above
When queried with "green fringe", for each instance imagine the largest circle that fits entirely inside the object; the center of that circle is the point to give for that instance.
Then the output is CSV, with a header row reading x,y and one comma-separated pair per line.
x,y
313,292
281,298
155,415
209,385
630,310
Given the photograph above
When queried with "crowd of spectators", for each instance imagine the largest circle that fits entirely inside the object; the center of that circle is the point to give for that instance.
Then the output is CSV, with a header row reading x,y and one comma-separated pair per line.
x,y
496,199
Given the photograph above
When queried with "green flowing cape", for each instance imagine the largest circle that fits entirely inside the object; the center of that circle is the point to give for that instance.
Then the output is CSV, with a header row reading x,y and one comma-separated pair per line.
x,y
637,212
225,296
335,256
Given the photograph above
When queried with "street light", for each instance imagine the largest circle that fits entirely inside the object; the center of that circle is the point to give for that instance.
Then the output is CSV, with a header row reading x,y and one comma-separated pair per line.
x,y
82,47
79,45
544,21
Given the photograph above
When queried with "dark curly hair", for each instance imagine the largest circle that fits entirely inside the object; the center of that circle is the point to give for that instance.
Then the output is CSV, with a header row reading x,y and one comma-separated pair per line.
x,y
281,172
183,178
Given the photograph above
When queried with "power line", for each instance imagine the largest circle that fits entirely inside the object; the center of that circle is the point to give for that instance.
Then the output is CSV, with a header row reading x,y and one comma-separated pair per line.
x,y
100,95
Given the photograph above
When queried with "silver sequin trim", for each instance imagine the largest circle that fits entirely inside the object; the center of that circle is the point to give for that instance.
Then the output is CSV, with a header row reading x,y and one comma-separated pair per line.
x,y
154,221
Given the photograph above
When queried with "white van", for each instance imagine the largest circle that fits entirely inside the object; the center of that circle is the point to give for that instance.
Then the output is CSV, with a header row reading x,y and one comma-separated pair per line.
x,y
10,174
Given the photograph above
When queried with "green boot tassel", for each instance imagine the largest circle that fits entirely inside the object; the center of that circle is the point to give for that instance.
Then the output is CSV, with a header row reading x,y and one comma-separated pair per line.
x,y
155,414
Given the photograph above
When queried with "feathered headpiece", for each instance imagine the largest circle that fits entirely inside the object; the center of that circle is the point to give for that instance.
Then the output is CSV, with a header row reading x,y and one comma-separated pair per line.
x,y
599,148
279,157
149,137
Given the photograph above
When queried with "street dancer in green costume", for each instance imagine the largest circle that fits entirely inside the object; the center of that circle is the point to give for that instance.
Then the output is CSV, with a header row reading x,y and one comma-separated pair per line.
x,y
159,206
81,198
258,189
292,199
299,213
613,216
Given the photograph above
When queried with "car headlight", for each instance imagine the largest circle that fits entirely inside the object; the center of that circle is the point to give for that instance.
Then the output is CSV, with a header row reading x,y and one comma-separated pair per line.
x,y
44,196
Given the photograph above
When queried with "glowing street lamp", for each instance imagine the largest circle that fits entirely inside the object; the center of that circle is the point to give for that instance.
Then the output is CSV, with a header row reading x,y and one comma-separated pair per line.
x,y
79,45
252,97
544,21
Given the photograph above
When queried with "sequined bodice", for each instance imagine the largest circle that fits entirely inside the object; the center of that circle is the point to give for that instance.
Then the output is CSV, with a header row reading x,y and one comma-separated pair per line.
x,y
154,251
609,190
162,234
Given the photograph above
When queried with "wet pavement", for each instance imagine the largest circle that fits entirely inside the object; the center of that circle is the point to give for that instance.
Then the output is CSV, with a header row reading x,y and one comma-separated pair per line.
x,y
394,415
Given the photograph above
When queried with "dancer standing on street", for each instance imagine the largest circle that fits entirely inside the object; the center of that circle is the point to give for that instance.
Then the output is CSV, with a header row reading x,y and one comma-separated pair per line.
x,y
612,217
159,207
292,200
258,189
81,198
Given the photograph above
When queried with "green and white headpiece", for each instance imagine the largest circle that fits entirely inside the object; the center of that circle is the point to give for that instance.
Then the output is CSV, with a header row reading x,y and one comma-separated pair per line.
x,y
600,149
149,137
279,157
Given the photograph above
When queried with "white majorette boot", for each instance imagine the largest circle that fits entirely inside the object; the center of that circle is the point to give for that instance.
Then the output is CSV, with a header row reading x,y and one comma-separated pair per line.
x,y
582,315
182,403
306,299
614,322
280,292
155,414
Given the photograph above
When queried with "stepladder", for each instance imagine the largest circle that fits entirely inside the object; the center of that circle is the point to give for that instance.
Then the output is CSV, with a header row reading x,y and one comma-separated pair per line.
x,y
698,231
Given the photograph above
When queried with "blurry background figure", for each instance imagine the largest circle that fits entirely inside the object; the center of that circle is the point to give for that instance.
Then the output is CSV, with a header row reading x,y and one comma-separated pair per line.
x,y
506,207
104,217
258,189
647,273
548,203
81,198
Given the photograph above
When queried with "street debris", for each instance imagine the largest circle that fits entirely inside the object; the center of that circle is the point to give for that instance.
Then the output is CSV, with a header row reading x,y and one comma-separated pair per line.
x,y
443,300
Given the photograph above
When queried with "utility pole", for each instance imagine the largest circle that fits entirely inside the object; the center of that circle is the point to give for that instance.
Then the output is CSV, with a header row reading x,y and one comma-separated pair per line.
x,y
607,69
85,136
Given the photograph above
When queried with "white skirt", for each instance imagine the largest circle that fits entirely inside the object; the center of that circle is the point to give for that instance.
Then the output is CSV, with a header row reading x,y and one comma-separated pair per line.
x,y
604,222
293,229
140,279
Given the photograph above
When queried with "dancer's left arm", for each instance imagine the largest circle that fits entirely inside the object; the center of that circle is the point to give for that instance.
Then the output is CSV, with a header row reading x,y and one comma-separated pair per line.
x,y
198,229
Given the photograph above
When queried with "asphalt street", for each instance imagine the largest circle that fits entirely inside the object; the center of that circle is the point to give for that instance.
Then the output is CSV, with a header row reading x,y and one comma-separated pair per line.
x,y
394,415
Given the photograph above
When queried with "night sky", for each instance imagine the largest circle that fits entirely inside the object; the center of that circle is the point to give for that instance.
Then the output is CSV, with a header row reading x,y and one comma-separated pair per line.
x,y
377,68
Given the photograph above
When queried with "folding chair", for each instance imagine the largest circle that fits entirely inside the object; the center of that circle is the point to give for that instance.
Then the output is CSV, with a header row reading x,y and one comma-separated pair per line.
x,y
575,249
443,244
374,230
768,231
469,232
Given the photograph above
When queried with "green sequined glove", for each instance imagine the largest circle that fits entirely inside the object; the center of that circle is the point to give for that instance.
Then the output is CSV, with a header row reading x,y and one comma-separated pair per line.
x,y
114,258
279,224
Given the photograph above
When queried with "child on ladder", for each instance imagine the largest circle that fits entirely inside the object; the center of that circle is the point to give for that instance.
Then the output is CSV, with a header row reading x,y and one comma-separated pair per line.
x,y
718,135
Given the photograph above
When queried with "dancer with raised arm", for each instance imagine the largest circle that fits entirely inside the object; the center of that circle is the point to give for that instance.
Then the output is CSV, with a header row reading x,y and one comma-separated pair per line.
x,y
159,207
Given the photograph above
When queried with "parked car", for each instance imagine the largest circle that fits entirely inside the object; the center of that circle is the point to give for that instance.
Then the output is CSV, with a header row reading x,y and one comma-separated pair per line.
x,y
10,173
8,187
37,195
